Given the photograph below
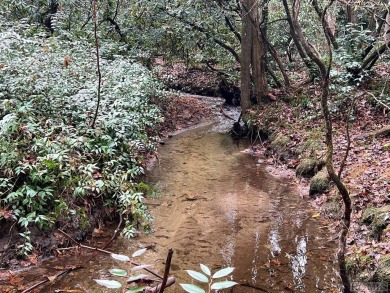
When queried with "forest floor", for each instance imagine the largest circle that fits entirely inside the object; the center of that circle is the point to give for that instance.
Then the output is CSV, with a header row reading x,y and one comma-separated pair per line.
x,y
296,141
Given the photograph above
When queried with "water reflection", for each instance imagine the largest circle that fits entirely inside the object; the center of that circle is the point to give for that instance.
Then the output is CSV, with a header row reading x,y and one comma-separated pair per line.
x,y
274,242
255,261
299,262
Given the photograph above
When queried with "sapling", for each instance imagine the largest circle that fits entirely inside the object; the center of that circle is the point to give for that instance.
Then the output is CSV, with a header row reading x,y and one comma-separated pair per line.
x,y
209,279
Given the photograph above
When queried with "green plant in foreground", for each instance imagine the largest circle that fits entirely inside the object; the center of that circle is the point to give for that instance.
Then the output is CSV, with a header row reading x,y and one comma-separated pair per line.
x,y
209,279
113,284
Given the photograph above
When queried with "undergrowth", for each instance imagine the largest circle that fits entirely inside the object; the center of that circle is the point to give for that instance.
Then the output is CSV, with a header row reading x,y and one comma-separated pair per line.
x,y
53,164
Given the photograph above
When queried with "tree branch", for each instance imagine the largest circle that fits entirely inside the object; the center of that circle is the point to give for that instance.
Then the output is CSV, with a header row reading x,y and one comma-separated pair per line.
x,y
204,31
97,63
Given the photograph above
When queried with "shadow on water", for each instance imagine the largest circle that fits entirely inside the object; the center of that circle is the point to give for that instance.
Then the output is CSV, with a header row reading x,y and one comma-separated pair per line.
x,y
218,207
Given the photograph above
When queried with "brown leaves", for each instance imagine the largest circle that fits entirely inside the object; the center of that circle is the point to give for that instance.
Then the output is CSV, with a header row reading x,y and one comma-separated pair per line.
x,y
67,61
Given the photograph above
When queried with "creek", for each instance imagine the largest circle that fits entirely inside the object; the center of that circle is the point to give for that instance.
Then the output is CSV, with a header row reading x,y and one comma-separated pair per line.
x,y
219,207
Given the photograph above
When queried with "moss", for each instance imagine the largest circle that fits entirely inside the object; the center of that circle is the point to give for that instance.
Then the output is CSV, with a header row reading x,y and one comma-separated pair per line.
x,y
319,183
386,147
279,142
382,273
368,215
377,218
360,265
306,167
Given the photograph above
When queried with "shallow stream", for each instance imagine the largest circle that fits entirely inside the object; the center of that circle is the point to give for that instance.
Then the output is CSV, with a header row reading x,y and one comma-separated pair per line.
x,y
220,208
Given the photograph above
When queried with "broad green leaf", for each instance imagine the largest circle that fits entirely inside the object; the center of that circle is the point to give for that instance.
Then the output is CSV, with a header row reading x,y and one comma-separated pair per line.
x,y
223,285
198,276
205,269
118,272
222,273
141,267
112,284
137,277
135,290
139,252
120,257
192,288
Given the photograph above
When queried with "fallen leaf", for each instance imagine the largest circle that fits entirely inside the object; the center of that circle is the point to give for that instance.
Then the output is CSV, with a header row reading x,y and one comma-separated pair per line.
x,y
276,262
316,215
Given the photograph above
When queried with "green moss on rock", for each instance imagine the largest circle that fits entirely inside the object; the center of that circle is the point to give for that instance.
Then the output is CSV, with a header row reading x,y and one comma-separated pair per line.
x,y
360,265
307,167
377,218
319,183
368,215
279,142
382,273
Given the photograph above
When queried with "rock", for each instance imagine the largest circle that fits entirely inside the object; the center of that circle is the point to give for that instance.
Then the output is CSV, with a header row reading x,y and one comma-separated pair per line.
x,y
319,183
279,143
382,273
377,218
306,168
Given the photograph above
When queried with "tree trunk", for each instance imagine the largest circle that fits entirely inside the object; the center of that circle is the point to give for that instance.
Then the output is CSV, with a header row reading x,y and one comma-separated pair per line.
x,y
351,14
370,60
386,36
252,55
258,55
246,56
297,40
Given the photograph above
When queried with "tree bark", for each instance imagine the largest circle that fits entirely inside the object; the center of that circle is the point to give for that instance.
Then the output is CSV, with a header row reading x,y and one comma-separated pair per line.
x,y
258,55
351,14
246,56
387,28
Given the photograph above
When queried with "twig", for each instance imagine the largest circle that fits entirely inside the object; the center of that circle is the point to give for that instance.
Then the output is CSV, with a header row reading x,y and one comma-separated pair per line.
x,y
226,115
97,63
116,232
170,282
166,272
51,279
379,101
253,287
69,237
64,272
342,165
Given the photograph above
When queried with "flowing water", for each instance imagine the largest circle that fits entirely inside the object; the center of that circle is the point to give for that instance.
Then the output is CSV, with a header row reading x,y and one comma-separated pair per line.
x,y
220,208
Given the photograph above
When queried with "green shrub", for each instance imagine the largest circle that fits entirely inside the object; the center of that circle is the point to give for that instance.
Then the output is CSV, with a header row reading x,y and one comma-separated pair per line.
x,y
52,160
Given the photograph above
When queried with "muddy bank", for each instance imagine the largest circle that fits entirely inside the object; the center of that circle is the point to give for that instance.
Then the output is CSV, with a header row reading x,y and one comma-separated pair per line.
x,y
199,81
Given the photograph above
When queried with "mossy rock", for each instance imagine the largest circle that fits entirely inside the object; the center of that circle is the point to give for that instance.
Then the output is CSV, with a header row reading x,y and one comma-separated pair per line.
x,y
306,167
309,167
360,265
319,183
279,142
368,215
377,218
382,273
